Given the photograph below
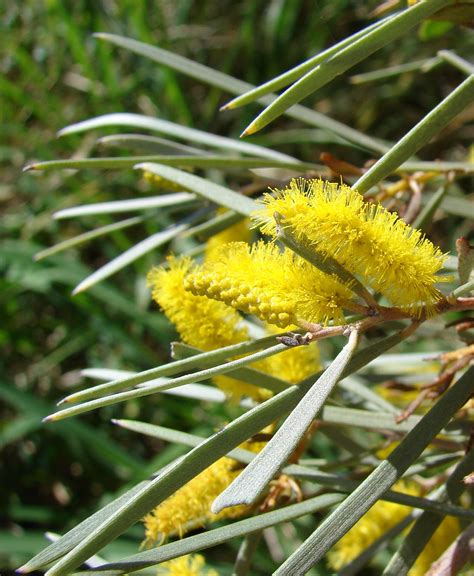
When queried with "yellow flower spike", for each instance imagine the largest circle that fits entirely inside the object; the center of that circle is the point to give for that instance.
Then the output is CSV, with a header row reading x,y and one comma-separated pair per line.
x,y
190,565
366,239
190,506
200,321
278,287
379,519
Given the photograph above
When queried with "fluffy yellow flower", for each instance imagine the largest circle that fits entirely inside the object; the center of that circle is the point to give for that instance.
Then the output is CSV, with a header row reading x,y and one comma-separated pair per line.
x,y
190,506
278,287
200,321
191,565
369,241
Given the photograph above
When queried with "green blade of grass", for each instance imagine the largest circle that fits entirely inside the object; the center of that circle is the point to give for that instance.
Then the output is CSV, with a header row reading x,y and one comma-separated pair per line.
x,y
174,130
419,135
380,480
214,192
349,56
129,256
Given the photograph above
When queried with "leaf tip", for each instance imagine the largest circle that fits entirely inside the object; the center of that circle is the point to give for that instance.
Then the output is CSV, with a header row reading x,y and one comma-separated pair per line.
x,y
81,287
28,168
227,106
251,129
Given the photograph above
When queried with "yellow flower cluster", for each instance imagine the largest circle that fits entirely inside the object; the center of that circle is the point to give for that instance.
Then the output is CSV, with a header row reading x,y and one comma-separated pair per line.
x,y
366,239
209,324
190,565
382,517
190,506
278,287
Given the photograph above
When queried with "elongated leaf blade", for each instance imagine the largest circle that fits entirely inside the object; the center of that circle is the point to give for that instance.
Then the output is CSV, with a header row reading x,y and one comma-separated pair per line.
x,y
128,257
250,484
119,206
175,130
419,135
92,534
235,86
345,59
218,194
380,480
207,161
88,236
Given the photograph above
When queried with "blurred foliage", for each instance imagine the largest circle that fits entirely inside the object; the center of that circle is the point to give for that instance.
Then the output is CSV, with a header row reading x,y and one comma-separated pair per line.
x,y
55,73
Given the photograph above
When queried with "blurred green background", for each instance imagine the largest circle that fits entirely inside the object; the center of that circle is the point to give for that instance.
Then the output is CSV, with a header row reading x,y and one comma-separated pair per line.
x,y
53,73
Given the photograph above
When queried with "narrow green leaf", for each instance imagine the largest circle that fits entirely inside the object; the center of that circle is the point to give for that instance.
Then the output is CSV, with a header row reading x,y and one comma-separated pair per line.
x,y
356,386
129,256
250,484
87,236
92,534
165,383
462,168
346,58
218,194
246,553
235,86
425,217
293,74
209,359
380,480
419,135
425,526
214,225
150,144
456,60
131,205
425,65
207,161
249,375
218,536
174,130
